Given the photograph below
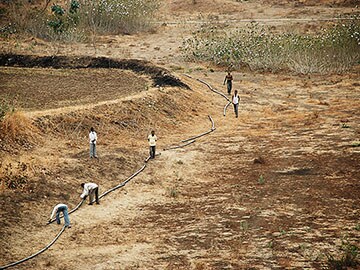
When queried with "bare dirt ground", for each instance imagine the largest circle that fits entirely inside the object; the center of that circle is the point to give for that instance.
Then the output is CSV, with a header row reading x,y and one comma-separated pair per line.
x,y
277,188
59,87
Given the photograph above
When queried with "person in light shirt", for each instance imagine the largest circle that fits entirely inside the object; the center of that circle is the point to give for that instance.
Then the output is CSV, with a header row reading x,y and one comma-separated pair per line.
x,y
235,101
57,210
89,190
152,143
93,139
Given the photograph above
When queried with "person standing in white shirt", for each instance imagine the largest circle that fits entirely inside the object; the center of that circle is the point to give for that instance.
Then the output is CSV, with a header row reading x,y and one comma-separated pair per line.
x,y
93,139
89,190
64,209
235,101
152,143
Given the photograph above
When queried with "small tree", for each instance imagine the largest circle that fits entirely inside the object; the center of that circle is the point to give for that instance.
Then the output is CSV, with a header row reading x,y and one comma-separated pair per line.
x,y
61,20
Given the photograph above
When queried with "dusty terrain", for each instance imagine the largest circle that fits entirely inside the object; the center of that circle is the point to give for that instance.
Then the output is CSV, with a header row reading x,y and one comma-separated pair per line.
x,y
277,188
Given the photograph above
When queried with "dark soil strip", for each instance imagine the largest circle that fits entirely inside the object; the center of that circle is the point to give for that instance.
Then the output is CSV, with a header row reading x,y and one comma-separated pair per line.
x,y
160,76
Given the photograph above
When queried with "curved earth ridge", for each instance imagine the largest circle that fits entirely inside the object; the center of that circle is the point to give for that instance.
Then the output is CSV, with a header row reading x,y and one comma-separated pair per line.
x,y
159,75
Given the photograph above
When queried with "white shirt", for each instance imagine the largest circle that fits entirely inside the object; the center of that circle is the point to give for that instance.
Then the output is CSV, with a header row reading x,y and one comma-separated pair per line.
x,y
87,188
56,208
236,99
93,137
152,140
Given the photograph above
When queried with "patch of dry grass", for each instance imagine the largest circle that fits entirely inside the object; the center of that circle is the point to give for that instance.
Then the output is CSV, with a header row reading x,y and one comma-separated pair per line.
x,y
16,126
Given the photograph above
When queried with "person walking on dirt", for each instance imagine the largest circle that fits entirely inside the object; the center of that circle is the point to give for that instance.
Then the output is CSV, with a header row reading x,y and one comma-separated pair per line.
x,y
93,139
228,79
152,143
89,190
235,101
57,210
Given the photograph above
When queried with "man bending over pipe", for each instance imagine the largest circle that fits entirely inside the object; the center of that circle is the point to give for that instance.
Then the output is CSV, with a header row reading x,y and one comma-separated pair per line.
x,y
89,190
64,209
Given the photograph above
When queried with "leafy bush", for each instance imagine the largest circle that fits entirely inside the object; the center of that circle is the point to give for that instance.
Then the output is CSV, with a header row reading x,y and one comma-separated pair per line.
x,y
64,22
58,22
335,49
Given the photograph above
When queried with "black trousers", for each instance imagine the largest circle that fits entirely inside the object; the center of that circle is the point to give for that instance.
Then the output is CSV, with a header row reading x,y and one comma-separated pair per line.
x,y
229,87
91,195
152,151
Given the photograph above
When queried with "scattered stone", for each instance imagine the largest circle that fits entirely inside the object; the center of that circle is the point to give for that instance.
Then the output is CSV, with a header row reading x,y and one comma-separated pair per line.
x,y
296,171
259,160
324,103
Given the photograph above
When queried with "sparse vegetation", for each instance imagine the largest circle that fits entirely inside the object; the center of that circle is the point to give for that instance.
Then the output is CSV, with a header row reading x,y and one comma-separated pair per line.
x,y
13,176
75,20
14,125
334,49
261,180
55,23
282,231
270,244
7,30
114,16
5,107
173,192
348,258
244,225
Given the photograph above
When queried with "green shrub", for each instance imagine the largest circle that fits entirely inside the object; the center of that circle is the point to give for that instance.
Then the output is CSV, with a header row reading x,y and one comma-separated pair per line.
x,y
335,49
173,192
348,258
62,22
261,180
